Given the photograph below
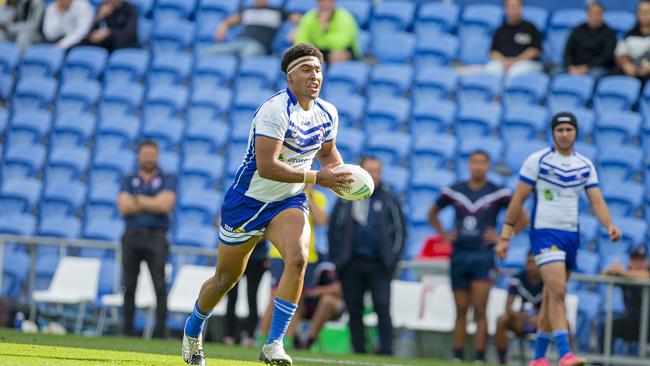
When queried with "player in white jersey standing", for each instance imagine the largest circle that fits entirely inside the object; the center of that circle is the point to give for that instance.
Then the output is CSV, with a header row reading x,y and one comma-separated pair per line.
x,y
557,176
289,130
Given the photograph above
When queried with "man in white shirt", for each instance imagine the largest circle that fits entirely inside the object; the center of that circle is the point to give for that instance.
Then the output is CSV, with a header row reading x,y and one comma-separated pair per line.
x,y
67,22
557,175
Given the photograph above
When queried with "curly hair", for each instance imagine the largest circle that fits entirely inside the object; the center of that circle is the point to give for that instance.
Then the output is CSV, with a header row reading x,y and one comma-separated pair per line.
x,y
298,51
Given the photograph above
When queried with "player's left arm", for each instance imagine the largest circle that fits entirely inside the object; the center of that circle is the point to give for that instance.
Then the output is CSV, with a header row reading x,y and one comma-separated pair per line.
x,y
599,206
329,154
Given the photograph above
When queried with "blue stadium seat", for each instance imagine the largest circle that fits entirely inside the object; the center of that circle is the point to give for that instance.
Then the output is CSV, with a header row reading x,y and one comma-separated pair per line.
x,y
22,161
68,227
615,5
209,104
397,178
101,202
78,96
350,108
165,102
19,195
363,42
213,11
525,89
588,308
144,7
34,93
7,83
435,49
480,86
205,137
173,36
479,20
15,269
432,151
173,10
244,106
299,6
67,163
619,163
644,101
214,71
145,29
391,147
519,150
260,72
538,16
350,143
386,114
391,16
617,128
4,121
198,236
586,121
346,78
85,62
359,8
418,233
588,225
121,99
559,27
634,231
72,130
236,152
477,119
384,50
198,207
474,50
570,91
436,17
587,150
9,58
62,198
104,229
432,116
623,198
616,93
492,146
167,132
433,82
29,127
41,60
201,171
128,64
390,80
169,161
282,39
524,122
170,69
16,223
621,21
424,191
109,165
116,133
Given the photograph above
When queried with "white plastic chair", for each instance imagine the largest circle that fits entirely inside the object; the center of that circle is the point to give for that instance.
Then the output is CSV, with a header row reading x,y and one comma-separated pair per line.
x,y
75,281
186,289
438,309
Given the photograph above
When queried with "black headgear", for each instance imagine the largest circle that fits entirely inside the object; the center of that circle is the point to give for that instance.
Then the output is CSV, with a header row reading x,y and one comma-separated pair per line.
x,y
564,117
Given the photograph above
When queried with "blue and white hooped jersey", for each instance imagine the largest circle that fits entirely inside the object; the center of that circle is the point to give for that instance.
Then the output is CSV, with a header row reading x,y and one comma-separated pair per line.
x,y
558,182
302,133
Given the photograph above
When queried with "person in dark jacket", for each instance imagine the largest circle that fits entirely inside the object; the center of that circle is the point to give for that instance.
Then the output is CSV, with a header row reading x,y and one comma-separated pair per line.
x,y
115,26
590,47
20,22
366,241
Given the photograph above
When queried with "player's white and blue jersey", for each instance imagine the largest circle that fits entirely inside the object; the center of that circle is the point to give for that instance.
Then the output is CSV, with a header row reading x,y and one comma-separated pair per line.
x,y
252,201
558,181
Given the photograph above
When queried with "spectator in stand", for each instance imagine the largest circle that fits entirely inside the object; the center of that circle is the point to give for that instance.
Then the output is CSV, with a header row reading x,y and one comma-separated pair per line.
x,y
528,286
21,22
261,23
115,26
590,47
628,325
633,51
516,44
332,30
67,22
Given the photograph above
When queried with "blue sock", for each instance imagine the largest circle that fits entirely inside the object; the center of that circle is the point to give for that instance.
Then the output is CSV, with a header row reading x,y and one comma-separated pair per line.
x,y
541,344
196,321
561,338
282,313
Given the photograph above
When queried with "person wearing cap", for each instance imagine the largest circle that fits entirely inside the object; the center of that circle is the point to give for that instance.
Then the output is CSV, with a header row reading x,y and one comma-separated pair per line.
x,y
628,325
557,175
289,130
477,203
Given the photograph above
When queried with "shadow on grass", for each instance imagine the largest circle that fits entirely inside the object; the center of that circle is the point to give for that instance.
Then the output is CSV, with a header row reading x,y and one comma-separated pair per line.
x,y
68,358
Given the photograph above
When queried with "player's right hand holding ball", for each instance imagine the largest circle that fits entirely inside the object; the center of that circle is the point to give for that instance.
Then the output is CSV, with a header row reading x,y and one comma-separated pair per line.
x,y
328,178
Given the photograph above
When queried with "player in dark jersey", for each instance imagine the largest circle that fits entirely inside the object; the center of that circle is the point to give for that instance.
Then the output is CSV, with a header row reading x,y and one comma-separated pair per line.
x,y
477,203
528,286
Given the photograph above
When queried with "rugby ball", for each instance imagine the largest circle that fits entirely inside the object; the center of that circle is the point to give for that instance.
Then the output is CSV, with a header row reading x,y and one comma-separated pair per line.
x,y
361,188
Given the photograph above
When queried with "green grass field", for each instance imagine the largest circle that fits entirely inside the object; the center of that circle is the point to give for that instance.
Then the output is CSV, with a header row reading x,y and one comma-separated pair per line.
x,y
17,349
